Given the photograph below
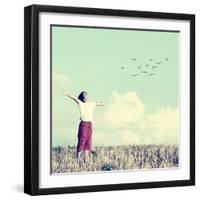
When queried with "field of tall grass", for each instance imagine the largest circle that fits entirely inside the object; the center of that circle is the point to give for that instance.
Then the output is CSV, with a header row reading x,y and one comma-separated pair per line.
x,y
127,157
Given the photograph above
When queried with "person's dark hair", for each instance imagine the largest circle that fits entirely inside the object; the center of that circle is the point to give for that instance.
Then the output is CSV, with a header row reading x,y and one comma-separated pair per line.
x,y
81,96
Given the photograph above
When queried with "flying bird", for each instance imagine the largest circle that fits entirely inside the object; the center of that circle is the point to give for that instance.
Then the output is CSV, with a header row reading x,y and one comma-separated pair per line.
x,y
135,75
139,67
154,67
134,59
144,68
145,72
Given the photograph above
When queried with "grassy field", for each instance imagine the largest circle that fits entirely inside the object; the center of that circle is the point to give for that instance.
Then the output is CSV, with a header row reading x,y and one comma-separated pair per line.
x,y
126,157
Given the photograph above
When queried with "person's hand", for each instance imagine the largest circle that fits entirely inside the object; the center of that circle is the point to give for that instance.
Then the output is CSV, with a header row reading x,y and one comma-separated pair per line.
x,y
64,92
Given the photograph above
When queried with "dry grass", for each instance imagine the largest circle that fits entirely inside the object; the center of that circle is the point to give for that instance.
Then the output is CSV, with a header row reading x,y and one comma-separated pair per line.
x,y
127,157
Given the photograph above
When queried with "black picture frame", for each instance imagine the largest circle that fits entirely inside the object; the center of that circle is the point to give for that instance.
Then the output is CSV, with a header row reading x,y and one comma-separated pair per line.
x,y
31,98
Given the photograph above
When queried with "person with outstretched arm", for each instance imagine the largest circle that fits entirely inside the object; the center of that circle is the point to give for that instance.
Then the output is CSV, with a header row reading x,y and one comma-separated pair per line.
x,y
86,107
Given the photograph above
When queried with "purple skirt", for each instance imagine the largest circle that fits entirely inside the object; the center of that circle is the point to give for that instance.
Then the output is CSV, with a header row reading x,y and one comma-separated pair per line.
x,y
84,136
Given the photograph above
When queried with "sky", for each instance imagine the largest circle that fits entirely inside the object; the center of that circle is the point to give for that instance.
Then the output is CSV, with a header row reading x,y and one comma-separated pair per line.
x,y
139,109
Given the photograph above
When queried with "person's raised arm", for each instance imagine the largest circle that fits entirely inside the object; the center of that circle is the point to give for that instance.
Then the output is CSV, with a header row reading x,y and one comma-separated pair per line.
x,y
71,97
100,104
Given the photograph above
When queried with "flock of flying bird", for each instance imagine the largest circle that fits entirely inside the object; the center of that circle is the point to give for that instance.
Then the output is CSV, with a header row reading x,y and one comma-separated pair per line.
x,y
149,68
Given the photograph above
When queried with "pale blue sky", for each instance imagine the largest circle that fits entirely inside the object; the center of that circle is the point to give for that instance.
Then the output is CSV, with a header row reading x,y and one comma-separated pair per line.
x,y
90,59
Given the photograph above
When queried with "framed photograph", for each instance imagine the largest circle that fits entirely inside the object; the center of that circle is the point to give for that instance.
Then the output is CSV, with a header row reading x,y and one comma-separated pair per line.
x,y
109,99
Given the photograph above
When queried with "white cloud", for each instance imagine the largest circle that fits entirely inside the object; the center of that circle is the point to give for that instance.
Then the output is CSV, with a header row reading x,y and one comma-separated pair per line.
x,y
127,123
124,109
115,137
164,124
60,82
61,78
123,121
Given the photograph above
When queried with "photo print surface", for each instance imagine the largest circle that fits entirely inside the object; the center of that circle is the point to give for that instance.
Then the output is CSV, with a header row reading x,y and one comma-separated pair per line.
x,y
114,99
